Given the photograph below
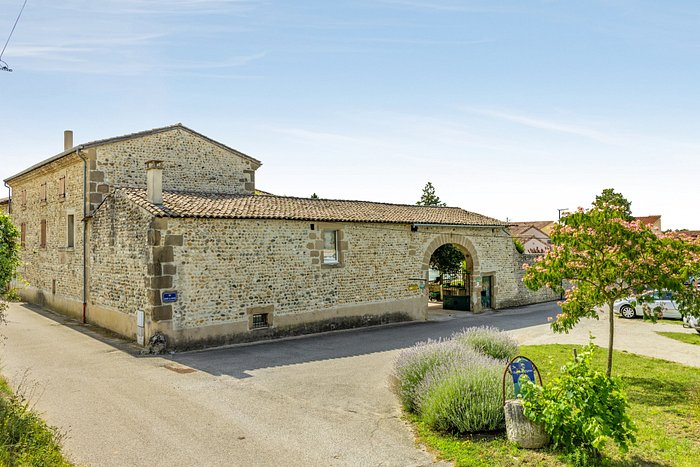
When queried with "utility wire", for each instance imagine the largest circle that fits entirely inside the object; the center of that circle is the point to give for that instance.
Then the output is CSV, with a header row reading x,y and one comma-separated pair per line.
x,y
3,65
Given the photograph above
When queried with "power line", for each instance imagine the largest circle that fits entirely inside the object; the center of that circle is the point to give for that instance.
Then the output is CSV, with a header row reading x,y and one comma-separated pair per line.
x,y
3,65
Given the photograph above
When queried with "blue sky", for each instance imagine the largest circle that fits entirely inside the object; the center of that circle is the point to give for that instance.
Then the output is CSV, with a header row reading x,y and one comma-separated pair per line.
x,y
511,109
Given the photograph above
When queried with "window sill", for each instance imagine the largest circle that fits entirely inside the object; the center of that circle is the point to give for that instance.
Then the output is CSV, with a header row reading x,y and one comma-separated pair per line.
x,y
332,265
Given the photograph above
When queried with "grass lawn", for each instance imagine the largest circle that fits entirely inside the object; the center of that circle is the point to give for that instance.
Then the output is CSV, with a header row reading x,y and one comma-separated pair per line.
x,y
678,322
664,403
688,338
25,439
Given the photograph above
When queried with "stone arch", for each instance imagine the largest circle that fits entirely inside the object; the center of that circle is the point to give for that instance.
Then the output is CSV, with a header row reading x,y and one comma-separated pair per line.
x,y
467,248
460,241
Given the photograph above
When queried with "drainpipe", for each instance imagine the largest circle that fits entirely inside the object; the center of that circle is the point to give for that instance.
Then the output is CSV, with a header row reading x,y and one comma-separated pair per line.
x,y
9,198
85,215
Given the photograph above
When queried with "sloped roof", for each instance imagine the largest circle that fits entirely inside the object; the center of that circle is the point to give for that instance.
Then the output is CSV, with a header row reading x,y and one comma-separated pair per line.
x,y
140,134
649,220
206,205
536,224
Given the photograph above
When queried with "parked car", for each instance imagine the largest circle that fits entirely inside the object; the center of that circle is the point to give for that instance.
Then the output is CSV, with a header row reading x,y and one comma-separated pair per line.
x,y
631,307
692,322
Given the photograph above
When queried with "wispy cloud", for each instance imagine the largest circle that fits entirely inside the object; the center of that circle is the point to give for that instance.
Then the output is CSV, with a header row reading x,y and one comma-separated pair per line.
x,y
556,126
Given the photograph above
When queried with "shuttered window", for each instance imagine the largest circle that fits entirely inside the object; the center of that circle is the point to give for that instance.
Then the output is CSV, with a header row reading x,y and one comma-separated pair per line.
x,y
42,237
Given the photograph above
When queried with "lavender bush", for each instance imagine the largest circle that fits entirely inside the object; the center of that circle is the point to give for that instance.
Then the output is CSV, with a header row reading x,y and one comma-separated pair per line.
x,y
413,363
489,341
463,396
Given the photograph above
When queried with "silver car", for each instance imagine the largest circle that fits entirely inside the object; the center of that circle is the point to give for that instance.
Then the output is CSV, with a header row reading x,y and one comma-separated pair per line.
x,y
630,307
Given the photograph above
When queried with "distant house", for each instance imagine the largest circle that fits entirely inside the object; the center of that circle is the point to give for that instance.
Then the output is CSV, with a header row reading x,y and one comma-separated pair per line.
x,y
652,221
533,238
4,205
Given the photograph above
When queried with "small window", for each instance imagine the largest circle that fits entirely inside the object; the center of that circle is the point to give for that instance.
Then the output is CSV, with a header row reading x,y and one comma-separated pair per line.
x,y
260,321
330,247
42,193
42,236
23,234
23,198
62,187
71,231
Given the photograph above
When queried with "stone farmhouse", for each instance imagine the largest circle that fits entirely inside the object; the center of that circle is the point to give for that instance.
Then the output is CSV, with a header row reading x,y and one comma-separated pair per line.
x,y
162,232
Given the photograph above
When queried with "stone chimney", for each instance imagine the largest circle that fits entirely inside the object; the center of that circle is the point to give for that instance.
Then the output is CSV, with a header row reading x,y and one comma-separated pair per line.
x,y
67,139
154,181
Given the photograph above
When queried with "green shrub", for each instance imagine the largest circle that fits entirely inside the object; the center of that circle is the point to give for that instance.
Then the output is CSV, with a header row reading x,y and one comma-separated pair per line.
x,y
25,439
414,363
580,410
519,247
463,396
488,341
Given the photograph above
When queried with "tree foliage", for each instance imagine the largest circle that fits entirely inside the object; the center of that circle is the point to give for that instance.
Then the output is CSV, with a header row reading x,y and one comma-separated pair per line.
x,y
429,198
9,255
314,196
580,410
611,198
447,259
605,257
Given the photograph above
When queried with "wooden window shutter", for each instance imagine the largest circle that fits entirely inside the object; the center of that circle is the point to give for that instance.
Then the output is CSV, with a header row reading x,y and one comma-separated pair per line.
x,y
42,240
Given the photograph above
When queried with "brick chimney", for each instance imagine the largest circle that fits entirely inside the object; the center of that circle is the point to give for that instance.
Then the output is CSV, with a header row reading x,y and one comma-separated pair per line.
x,y
67,139
154,181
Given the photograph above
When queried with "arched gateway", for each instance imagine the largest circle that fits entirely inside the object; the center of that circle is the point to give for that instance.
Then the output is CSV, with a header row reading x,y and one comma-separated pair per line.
x,y
465,246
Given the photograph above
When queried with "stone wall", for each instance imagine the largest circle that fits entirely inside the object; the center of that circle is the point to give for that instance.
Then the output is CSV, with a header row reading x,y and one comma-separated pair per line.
x,y
225,270
118,258
524,295
191,163
53,273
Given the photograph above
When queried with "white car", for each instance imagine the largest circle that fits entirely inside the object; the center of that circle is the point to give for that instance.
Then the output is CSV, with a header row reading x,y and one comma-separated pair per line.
x,y
630,308
692,322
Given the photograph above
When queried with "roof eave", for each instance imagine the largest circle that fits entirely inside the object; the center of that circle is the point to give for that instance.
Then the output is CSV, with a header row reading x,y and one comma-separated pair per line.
x,y
38,165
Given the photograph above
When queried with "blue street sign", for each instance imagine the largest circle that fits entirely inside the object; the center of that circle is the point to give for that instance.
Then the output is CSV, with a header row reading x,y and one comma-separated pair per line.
x,y
169,297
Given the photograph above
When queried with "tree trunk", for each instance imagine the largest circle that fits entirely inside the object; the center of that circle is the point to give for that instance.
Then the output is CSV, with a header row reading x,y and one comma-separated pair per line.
x,y
522,430
610,338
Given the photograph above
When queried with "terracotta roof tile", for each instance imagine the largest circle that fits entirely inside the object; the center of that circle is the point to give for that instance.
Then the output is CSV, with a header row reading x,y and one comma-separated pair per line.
x,y
182,204
648,219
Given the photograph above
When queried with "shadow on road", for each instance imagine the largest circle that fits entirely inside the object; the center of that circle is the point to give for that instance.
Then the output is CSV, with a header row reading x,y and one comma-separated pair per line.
x,y
236,361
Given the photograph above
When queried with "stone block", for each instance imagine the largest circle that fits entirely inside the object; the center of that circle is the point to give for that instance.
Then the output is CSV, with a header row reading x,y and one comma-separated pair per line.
x,y
163,312
161,282
163,254
154,269
169,269
153,297
159,223
173,240
154,237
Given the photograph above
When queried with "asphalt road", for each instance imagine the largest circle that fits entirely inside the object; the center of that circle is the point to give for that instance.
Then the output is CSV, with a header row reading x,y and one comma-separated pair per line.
x,y
318,400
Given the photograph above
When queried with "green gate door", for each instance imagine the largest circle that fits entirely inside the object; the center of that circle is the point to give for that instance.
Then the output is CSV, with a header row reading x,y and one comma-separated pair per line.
x,y
455,291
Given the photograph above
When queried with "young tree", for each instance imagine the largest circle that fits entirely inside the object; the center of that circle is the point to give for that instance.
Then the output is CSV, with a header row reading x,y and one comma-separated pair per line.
x,y
447,259
610,197
606,257
9,256
429,198
314,196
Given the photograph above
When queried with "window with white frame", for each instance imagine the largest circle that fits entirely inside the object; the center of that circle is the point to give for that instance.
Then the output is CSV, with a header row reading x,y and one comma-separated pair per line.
x,y
330,247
